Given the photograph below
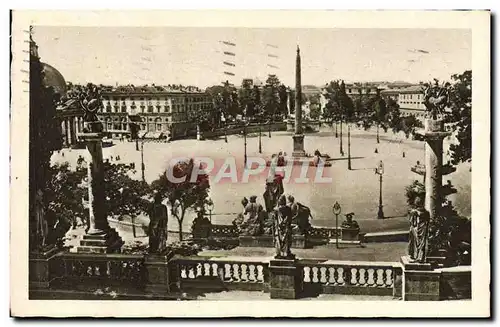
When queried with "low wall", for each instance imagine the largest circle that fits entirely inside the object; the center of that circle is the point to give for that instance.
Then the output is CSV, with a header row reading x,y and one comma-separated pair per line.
x,y
267,241
128,276
384,237
281,126
455,283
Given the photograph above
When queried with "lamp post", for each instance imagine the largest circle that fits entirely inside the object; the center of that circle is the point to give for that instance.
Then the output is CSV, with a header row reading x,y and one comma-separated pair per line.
x,y
341,148
270,127
245,144
336,133
210,206
349,146
143,168
380,171
260,136
336,211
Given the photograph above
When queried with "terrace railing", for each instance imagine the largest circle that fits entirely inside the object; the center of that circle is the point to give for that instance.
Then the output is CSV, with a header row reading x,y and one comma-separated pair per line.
x,y
350,277
221,274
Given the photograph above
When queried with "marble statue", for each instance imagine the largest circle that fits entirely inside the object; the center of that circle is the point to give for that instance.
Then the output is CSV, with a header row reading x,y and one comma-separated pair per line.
x,y
252,226
419,232
90,101
158,216
300,215
283,230
436,98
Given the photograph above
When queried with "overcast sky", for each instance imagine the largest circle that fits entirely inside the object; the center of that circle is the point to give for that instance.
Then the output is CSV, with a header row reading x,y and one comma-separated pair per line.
x,y
194,56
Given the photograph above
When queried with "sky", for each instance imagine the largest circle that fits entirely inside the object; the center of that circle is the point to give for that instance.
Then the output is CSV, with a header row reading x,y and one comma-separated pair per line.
x,y
195,56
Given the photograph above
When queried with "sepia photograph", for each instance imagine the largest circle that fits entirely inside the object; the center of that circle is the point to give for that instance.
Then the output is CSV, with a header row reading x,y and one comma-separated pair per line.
x,y
223,162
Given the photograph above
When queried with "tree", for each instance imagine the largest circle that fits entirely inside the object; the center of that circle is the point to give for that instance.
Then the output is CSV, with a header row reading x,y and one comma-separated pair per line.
x,y
125,195
44,138
283,100
270,96
332,109
379,112
460,116
245,96
183,194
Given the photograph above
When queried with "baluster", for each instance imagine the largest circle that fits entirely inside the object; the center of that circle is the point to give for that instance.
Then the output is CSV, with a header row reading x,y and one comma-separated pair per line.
x,y
323,275
214,270
260,274
199,270
108,268
183,268
332,272
244,272
227,270
206,268
236,272
371,279
389,280
220,272
354,276
362,277
307,274
380,279
191,271
252,275
341,276
315,278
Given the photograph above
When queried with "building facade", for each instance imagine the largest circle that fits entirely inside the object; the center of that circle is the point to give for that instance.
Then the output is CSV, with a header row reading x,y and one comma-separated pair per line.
x,y
411,101
355,91
159,114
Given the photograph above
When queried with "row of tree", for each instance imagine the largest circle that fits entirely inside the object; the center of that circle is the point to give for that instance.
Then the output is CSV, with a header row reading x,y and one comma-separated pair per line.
x,y
250,101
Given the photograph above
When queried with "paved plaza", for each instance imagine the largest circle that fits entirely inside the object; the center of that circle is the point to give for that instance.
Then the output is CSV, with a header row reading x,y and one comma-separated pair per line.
x,y
346,185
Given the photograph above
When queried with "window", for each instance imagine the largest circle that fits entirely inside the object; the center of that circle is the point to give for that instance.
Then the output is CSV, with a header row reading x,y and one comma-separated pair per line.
x,y
109,125
150,109
124,124
158,124
124,108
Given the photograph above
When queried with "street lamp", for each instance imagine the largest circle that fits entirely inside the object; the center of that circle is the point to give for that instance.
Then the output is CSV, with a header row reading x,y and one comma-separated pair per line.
x,y
380,171
349,146
260,136
210,205
245,144
143,167
336,133
336,211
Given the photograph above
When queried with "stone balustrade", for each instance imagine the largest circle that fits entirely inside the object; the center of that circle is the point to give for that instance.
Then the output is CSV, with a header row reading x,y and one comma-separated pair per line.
x,y
77,275
82,270
350,277
221,274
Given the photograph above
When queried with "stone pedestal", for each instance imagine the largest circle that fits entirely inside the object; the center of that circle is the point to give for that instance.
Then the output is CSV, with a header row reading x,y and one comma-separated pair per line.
x,y
159,276
434,136
298,146
350,234
41,268
420,281
284,279
109,242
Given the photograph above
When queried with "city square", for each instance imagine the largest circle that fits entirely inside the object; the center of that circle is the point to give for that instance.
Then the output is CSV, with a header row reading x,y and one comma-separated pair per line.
x,y
272,177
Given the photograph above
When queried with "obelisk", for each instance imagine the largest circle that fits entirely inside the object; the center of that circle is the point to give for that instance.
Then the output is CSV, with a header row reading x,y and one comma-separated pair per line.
x,y
298,137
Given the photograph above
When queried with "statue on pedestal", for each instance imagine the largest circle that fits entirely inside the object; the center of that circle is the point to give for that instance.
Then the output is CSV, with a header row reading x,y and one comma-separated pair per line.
x,y
240,218
283,230
300,215
252,226
90,101
436,98
158,216
419,231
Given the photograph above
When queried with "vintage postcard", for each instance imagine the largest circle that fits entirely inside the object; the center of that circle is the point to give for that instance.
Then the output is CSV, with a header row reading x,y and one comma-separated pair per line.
x,y
250,164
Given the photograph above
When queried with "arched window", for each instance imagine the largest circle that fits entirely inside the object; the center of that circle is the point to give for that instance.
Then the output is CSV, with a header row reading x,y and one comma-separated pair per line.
x,y
124,124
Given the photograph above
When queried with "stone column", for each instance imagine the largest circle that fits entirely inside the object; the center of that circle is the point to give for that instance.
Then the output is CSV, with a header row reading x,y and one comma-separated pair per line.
x,y
434,136
63,132
298,137
68,132
73,130
100,238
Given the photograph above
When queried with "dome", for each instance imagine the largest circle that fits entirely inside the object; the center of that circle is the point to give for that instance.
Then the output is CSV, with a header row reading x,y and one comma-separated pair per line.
x,y
52,77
